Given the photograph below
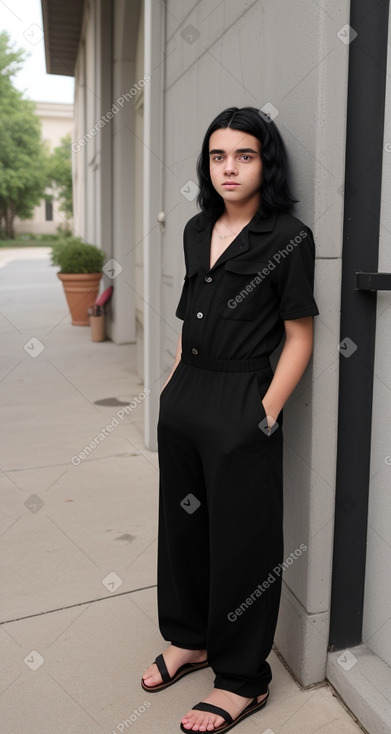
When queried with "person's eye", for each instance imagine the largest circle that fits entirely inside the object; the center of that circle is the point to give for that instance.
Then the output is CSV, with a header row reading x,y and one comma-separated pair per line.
x,y
216,157
247,157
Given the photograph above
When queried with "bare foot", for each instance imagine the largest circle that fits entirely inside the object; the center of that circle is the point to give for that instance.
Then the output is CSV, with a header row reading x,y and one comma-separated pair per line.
x,y
203,721
174,657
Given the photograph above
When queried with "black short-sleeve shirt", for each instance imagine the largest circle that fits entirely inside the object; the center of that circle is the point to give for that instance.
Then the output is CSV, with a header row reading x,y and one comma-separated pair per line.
x,y
236,310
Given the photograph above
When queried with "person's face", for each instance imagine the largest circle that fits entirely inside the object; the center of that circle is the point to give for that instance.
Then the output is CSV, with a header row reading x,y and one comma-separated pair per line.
x,y
235,164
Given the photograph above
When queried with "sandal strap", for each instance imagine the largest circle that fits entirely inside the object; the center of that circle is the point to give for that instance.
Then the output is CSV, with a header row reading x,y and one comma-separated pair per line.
x,y
212,709
162,668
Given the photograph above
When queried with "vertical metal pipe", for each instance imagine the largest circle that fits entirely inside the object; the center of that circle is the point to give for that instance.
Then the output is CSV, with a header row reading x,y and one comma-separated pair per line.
x,y
362,197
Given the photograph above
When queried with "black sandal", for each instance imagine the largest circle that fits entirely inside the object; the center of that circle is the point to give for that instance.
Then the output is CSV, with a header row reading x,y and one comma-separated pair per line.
x,y
166,678
252,708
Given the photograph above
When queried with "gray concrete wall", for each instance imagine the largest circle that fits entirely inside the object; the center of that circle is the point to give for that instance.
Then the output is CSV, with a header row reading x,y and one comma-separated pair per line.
x,y
289,54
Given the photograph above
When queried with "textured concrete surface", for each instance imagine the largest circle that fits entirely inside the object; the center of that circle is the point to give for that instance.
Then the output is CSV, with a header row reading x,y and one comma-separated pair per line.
x,y
78,538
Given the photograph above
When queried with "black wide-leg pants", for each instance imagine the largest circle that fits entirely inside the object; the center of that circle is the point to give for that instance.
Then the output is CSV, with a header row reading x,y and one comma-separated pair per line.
x,y
220,541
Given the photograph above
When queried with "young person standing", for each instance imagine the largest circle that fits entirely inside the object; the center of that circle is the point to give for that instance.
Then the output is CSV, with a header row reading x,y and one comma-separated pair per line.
x,y
249,282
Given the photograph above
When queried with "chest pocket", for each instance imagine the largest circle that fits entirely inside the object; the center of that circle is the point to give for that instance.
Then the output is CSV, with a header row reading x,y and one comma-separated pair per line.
x,y
188,287
241,289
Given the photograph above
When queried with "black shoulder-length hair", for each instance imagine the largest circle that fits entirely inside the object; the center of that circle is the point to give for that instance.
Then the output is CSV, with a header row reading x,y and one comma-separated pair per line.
x,y
275,193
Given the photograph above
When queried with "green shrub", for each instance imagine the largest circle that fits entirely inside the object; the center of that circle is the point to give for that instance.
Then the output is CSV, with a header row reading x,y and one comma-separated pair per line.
x,y
63,231
72,255
47,237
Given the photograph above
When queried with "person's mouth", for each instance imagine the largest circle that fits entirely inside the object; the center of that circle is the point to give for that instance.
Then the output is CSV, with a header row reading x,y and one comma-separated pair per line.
x,y
230,183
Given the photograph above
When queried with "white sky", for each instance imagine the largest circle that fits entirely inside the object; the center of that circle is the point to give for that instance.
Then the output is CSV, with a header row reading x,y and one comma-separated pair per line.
x,y
22,19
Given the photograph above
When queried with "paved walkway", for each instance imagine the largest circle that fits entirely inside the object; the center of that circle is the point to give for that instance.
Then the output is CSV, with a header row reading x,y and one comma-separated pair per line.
x,y
78,536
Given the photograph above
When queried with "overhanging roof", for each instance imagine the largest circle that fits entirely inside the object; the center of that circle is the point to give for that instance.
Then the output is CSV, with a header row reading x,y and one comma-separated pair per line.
x,y
62,27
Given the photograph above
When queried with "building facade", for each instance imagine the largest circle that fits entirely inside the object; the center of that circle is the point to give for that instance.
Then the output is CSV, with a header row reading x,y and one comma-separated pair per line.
x,y
150,76
56,122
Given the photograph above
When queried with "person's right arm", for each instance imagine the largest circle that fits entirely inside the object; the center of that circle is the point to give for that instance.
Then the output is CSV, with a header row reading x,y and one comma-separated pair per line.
x,y
177,360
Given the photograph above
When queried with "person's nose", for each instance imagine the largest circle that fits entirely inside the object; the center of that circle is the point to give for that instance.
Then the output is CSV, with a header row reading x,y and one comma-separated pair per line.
x,y
230,165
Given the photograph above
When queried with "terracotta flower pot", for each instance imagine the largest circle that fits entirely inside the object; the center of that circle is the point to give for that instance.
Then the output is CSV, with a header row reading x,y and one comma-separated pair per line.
x,y
81,291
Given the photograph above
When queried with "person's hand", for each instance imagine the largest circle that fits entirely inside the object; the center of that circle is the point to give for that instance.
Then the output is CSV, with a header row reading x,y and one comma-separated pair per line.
x,y
270,419
165,384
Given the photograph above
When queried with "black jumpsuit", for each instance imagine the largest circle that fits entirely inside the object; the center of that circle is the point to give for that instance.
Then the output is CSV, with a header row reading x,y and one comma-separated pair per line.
x,y
221,474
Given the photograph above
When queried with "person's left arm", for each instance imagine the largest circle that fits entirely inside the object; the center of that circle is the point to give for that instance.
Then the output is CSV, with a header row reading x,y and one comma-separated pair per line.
x,y
291,365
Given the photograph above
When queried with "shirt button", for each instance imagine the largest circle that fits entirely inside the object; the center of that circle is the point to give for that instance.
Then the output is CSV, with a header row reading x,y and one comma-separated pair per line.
x,y
200,315
208,279
194,350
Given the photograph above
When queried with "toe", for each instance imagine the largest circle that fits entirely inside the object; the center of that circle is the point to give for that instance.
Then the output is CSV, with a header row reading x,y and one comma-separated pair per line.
x,y
202,722
218,721
211,726
152,676
187,717
194,721
187,721
188,725
149,672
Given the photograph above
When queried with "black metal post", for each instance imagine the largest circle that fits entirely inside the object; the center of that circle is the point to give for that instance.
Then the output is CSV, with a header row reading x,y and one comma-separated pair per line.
x,y
363,173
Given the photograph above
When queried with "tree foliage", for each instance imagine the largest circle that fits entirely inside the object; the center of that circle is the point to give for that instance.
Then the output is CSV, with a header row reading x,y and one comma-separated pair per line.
x,y
23,155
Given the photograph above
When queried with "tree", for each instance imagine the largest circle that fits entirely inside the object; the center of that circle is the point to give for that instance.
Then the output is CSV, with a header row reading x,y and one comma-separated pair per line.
x,y
23,155
60,175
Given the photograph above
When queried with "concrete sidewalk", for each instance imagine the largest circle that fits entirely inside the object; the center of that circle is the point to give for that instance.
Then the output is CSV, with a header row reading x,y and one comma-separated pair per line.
x,y
78,536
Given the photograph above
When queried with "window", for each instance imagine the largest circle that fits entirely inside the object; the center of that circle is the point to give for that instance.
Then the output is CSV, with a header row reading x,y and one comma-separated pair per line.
x,y
48,211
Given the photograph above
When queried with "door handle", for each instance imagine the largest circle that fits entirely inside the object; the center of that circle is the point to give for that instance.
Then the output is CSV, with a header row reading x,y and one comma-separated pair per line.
x,y
373,281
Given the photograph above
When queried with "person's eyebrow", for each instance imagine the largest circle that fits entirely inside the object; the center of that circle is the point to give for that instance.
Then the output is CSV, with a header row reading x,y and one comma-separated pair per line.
x,y
239,150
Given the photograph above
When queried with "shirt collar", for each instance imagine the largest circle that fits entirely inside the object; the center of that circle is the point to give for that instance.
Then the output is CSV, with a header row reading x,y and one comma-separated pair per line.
x,y
257,224
203,224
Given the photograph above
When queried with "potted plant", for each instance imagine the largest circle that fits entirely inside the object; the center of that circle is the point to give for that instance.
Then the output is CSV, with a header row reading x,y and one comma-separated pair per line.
x,y
80,266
